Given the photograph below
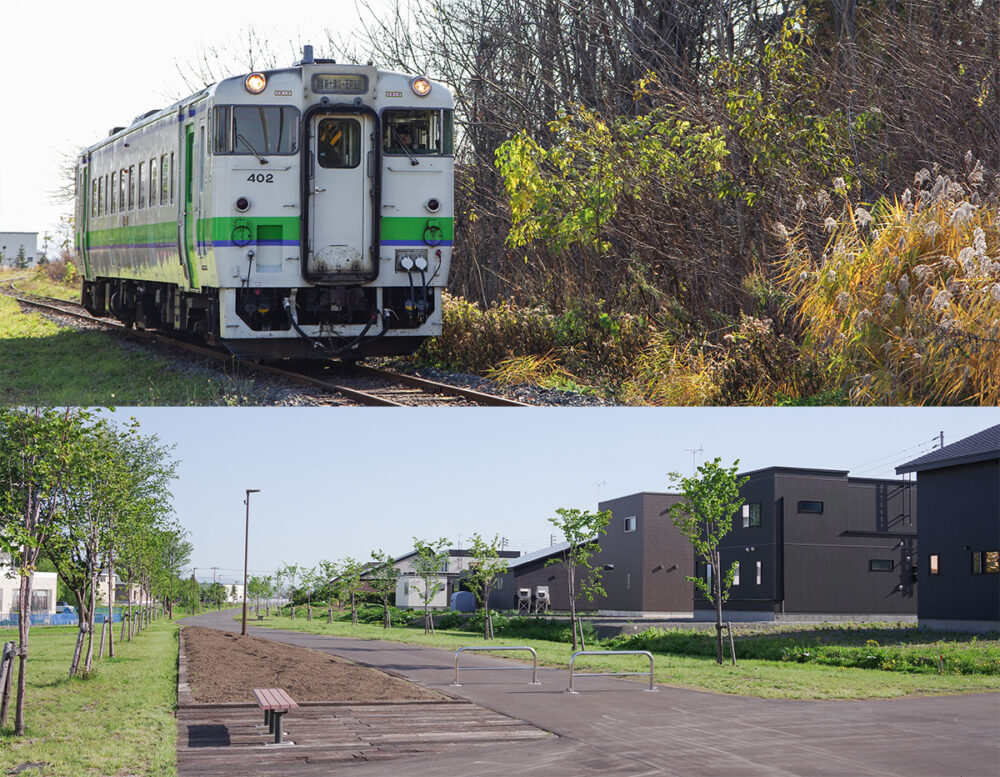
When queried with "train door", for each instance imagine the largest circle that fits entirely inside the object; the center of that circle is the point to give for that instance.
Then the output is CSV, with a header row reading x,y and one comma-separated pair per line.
x,y
339,194
189,226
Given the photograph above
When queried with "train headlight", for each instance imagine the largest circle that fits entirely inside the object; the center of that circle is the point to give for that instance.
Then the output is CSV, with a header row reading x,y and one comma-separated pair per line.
x,y
421,86
255,83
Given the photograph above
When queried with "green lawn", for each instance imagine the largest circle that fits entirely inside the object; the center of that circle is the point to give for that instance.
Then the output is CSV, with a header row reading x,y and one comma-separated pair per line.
x,y
751,677
119,721
44,364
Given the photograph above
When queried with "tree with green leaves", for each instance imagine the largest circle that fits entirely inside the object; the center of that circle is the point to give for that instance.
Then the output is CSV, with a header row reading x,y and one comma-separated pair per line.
x,y
349,584
36,451
328,573
485,569
289,575
709,500
581,529
431,558
381,576
308,580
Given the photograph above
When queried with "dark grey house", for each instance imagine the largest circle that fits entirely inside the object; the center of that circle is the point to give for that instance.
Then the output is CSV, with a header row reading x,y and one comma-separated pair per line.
x,y
811,544
644,559
818,544
959,488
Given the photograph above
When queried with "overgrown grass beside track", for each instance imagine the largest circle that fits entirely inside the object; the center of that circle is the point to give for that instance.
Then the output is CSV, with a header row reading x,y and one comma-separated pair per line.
x,y
681,658
45,364
118,721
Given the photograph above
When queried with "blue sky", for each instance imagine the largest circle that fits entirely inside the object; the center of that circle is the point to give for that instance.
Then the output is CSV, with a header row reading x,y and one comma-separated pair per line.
x,y
339,482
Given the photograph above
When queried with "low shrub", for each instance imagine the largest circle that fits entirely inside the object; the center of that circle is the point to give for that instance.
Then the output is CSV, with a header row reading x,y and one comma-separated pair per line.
x,y
451,620
374,613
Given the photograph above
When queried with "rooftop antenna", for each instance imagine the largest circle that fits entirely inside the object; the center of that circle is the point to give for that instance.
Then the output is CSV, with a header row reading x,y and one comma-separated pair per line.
x,y
602,483
940,443
694,452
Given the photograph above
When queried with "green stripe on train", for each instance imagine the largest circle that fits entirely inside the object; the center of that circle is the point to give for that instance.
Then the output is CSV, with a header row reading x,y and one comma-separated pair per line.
x,y
412,228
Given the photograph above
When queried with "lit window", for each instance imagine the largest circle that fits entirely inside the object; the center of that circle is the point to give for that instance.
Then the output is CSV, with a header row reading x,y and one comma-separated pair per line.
x,y
933,567
991,562
811,507
630,523
881,565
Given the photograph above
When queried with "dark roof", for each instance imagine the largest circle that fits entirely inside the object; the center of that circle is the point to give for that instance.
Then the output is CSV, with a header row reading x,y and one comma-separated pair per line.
x,y
981,446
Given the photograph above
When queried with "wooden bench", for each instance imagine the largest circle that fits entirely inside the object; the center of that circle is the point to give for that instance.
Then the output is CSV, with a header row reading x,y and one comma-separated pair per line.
x,y
275,703
260,617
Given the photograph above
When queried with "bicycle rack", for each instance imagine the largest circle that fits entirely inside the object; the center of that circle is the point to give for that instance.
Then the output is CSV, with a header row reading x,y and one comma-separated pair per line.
x,y
534,657
611,674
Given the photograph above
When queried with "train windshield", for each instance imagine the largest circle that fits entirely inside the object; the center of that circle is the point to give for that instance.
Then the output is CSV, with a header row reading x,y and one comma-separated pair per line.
x,y
256,129
418,132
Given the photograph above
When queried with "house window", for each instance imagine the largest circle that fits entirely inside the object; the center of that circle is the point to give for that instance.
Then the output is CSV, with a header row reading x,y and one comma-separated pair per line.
x,y
986,562
736,573
881,565
759,572
811,507
932,565
630,523
751,515
708,574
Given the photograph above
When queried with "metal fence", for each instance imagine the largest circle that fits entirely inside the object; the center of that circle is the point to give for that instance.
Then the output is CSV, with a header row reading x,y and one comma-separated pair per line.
x,y
534,657
611,674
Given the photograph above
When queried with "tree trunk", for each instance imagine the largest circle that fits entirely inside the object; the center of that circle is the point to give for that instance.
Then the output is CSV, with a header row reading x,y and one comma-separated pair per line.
x,y
91,620
354,611
23,625
717,588
111,609
105,630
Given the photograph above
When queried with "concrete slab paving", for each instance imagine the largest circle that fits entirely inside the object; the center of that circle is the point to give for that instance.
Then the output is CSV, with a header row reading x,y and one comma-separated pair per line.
x,y
615,727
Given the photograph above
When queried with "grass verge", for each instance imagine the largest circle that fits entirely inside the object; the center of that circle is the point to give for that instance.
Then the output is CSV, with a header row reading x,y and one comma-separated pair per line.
x,y
750,677
119,720
44,364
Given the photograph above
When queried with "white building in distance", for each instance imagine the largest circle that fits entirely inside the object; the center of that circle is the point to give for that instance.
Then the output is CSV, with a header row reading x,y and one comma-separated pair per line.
x,y
18,245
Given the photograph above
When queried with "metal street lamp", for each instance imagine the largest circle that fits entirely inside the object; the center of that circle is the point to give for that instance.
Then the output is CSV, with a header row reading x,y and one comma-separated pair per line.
x,y
246,556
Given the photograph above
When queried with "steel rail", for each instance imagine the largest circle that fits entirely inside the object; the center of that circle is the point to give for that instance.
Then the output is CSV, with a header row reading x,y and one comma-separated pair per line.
x,y
362,397
611,674
425,384
534,667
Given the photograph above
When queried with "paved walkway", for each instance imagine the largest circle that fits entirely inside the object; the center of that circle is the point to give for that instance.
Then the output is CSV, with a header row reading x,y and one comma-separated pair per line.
x,y
616,728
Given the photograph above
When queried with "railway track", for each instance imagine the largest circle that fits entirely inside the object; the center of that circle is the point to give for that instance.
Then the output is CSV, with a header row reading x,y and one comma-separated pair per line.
x,y
358,384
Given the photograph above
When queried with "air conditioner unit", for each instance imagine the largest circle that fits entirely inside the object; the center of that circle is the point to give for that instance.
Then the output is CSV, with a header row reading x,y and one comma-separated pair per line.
x,y
523,594
542,593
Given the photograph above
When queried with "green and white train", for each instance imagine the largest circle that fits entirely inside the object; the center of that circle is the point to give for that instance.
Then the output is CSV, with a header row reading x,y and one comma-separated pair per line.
x,y
301,212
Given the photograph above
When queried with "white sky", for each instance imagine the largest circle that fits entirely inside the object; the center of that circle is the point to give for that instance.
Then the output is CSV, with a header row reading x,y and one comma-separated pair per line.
x,y
342,482
69,76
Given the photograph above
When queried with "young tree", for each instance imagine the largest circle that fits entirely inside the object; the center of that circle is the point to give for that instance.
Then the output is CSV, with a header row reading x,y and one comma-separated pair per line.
x,y
289,573
329,571
350,584
381,577
36,450
431,558
485,568
705,515
308,580
582,530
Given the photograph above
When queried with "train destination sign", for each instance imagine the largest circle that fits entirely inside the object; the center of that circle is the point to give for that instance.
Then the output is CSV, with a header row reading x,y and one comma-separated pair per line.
x,y
339,83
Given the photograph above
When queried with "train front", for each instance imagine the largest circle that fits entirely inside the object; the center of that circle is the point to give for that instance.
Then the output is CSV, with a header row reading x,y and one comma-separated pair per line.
x,y
341,233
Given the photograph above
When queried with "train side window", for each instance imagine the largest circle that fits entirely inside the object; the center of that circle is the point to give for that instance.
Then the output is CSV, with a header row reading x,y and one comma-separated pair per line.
x,y
170,177
114,192
131,187
93,198
142,185
338,143
107,193
420,133
153,182
164,184
100,195
122,190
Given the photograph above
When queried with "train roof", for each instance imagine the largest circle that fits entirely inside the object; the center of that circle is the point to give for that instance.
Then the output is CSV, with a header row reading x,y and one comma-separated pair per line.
x,y
116,133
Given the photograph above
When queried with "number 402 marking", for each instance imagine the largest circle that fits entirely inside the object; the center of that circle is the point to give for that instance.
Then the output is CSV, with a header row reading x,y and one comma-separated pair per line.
x,y
261,178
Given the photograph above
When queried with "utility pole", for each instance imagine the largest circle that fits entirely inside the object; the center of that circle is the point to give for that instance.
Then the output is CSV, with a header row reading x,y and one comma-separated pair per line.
x,y
246,552
214,570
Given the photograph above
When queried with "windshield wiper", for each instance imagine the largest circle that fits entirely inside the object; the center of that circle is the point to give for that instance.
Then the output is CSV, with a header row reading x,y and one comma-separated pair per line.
x,y
409,154
240,136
